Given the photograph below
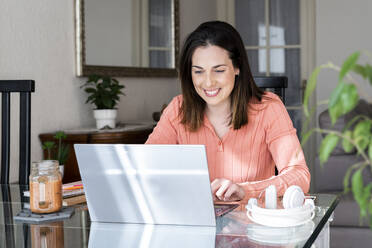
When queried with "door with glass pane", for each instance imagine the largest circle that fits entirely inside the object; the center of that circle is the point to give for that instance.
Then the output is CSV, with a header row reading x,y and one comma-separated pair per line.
x,y
270,30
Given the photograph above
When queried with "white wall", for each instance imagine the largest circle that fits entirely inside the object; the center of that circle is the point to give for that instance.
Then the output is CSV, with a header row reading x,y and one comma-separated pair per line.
x,y
37,42
342,27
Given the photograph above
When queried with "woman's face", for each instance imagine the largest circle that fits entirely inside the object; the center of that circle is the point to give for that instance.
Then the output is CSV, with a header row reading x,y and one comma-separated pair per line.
x,y
213,74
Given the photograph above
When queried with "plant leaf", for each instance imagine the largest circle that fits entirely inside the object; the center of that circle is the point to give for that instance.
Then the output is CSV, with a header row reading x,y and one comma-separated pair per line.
x,y
370,149
348,146
370,213
359,69
357,186
368,71
365,197
310,87
335,112
347,179
305,137
362,133
336,94
48,144
346,100
328,144
348,65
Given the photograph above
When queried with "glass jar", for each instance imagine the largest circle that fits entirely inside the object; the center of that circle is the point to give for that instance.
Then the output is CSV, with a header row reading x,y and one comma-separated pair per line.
x,y
45,187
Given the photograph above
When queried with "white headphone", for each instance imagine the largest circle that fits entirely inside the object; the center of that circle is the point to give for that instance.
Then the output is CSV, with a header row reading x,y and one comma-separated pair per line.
x,y
296,210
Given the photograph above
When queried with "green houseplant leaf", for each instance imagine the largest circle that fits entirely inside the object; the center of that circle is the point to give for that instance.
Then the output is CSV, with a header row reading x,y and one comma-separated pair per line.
x,y
346,144
357,185
48,145
344,101
328,144
103,91
362,133
370,149
348,64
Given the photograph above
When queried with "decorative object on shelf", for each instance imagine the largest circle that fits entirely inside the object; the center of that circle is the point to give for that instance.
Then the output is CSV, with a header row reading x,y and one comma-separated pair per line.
x,y
104,93
356,134
59,153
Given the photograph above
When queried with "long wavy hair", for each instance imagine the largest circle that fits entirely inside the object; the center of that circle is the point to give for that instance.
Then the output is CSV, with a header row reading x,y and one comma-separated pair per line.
x,y
223,35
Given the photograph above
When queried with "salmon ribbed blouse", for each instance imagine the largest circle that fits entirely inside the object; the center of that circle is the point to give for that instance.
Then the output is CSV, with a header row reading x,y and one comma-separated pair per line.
x,y
246,156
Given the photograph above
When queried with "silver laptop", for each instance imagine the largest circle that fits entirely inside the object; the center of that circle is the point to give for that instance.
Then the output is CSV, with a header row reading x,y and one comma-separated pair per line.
x,y
152,184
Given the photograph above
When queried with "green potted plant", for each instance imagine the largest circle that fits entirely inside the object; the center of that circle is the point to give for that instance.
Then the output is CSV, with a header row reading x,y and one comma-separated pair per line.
x,y
356,134
104,92
59,152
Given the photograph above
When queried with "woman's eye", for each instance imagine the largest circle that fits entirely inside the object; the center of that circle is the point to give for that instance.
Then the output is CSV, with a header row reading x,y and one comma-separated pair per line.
x,y
220,71
198,72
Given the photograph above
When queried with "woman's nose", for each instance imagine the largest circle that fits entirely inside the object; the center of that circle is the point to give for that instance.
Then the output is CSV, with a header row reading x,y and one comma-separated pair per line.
x,y
209,81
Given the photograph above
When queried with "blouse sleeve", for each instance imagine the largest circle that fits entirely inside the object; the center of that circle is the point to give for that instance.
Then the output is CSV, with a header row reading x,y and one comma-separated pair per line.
x,y
285,150
165,131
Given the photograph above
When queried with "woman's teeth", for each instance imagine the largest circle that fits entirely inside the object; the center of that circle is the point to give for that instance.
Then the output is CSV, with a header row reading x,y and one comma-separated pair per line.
x,y
211,92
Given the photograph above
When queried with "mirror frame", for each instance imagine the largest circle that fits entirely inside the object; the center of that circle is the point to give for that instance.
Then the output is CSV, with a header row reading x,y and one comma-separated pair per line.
x,y
83,70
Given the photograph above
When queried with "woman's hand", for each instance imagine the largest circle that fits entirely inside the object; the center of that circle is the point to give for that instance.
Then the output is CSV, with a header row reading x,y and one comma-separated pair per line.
x,y
225,190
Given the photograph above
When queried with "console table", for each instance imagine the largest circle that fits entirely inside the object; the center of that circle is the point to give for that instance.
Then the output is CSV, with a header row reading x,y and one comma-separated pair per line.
x,y
123,134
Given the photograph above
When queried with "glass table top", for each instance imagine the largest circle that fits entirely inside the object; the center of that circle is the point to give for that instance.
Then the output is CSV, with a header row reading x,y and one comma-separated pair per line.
x,y
234,229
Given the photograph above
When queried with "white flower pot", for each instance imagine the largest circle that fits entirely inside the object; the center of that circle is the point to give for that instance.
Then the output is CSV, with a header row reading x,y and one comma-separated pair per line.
x,y
105,117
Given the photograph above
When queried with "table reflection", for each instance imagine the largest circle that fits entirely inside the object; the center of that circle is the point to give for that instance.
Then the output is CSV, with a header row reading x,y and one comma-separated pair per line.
x,y
150,236
280,235
47,235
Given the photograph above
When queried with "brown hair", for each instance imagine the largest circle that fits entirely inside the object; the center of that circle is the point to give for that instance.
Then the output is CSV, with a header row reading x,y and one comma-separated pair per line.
x,y
225,36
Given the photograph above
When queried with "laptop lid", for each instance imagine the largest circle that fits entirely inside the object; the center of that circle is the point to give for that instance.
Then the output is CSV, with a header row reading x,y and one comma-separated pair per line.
x,y
153,184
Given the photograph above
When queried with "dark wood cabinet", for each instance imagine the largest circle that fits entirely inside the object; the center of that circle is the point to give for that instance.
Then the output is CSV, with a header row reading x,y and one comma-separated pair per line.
x,y
85,136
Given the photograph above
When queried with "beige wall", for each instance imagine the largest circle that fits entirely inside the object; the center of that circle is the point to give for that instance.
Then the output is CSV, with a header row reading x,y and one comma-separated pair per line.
x,y
37,42
342,27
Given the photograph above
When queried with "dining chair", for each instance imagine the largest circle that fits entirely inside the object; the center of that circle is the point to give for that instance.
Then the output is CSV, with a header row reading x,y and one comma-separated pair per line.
x,y
277,84
25,88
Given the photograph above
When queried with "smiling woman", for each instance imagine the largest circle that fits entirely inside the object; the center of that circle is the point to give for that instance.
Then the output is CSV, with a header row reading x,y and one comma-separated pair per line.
x,y
213,75
246,132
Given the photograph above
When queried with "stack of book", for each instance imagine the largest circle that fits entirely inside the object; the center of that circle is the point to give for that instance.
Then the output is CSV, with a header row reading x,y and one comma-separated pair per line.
x,y
73,193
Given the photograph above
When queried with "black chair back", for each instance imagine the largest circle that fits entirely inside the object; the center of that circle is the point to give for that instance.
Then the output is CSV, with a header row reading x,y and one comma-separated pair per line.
x,y
277,84
24,87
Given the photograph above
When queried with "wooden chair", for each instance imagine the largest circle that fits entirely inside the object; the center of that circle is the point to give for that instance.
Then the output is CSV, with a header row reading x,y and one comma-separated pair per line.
x,y
277,84
24,87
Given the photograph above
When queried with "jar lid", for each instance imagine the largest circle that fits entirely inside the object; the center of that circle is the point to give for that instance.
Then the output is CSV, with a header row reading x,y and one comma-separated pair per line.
x,y
45,164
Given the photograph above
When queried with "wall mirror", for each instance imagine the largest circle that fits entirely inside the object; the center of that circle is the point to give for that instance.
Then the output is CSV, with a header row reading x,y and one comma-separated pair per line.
x,y
127,38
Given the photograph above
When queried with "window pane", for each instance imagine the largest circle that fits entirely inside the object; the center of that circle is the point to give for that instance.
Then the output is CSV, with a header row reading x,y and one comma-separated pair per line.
x,y
257,61
249,16
296,116
284,22
286,62
161,59
160,23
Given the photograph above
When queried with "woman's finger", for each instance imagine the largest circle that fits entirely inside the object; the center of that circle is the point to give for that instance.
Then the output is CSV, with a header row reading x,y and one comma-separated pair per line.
x,y
220,193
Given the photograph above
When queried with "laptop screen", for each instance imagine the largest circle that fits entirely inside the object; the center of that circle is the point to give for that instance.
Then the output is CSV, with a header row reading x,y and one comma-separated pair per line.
x,y
154,184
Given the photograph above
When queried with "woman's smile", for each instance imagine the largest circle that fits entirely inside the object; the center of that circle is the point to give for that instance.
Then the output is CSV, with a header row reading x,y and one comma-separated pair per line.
x,y
212,93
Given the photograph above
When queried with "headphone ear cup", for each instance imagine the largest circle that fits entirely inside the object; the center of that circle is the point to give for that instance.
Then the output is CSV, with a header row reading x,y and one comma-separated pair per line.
x,y
293,197
252,202
270,197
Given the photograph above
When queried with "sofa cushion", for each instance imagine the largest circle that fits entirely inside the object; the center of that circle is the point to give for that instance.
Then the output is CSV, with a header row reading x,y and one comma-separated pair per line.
x,y
362,108
346,237
347,213
330,177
